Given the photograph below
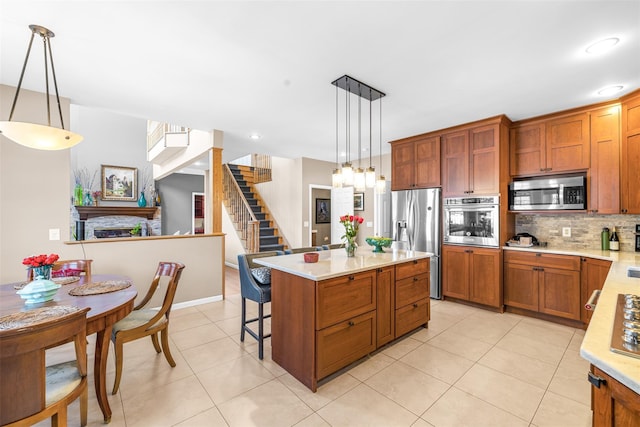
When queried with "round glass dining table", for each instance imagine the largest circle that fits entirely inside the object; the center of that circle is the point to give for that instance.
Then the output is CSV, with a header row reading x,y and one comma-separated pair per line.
x,y
105,310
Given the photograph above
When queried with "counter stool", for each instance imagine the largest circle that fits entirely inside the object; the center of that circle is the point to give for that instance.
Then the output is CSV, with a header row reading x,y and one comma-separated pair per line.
x,y
255,284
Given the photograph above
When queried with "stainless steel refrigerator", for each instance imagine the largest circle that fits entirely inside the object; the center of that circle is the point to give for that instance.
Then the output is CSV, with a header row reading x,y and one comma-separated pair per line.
x,y
416,225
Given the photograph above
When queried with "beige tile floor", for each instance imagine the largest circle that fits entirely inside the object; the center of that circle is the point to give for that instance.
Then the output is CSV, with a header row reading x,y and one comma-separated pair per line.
x,y
469,368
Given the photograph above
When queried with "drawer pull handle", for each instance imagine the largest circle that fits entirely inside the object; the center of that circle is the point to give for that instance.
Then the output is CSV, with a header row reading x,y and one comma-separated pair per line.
x,y
415,305
351,277
351,323
538,254
595,380
591,304
415,279
415,261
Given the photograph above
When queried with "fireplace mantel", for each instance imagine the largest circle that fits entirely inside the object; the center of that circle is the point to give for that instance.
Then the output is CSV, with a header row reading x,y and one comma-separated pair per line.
x,y
87,212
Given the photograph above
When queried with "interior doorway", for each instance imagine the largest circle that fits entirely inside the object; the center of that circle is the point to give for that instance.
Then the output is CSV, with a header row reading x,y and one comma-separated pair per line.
x,y
197,213
319,215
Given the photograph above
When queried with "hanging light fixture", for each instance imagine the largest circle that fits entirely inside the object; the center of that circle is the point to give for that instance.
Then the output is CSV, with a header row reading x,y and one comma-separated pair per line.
x,y
359,178
381,183
34,135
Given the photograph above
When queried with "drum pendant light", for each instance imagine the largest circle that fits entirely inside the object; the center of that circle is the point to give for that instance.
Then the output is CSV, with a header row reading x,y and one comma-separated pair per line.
x,y
41,137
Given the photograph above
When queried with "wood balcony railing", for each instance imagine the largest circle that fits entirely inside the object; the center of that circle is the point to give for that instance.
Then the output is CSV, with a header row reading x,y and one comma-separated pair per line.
x,y
160,131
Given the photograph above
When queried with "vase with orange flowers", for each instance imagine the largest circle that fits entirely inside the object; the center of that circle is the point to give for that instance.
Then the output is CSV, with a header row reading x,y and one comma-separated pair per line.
x,y
351,224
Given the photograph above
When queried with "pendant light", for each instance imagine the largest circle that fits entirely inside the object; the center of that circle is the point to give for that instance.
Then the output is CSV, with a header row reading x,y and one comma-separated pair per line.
x,y
360,179
381,183
34,135
336,178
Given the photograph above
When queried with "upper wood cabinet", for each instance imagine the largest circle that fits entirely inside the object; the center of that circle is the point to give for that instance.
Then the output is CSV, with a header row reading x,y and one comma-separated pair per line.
x,y
551,146
471,161
415,163
604,174
629,170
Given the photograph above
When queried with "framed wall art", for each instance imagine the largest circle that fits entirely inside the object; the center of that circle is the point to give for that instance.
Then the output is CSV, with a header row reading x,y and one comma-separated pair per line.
x,y
323,211
358,201
119,183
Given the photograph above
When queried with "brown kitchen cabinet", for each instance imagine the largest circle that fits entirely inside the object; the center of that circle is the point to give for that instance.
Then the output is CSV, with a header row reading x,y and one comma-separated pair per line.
x,y
593,273
629,170
415,163
472,274
319,327
613,404
411,296
543,283
471,161
604,174
552,146
385,316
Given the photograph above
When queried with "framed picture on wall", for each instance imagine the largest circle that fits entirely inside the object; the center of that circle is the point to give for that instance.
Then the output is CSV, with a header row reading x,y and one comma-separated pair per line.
x,y
119,183
358,202
323,211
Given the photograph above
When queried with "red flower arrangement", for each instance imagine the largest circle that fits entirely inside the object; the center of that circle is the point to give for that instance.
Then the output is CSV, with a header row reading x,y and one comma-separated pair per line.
x,y
351,224
40,260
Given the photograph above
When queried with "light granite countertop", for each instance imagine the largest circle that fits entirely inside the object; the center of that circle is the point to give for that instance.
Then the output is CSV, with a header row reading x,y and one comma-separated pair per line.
x,y
597,340
334,263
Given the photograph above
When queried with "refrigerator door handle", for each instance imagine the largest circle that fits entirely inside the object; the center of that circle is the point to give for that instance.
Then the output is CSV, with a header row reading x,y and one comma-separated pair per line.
x,y
411,221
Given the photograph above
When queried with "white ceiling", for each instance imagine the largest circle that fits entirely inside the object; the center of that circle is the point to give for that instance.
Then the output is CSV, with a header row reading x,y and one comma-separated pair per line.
x,y
266,66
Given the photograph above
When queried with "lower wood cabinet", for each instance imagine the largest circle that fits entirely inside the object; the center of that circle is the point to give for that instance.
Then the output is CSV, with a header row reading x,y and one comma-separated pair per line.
x,y
319,327
593,273
613,404
543,283
472,274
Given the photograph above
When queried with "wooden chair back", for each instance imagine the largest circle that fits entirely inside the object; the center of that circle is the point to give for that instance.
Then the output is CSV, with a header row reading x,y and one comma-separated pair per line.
x,y
80,265
173,270
23,370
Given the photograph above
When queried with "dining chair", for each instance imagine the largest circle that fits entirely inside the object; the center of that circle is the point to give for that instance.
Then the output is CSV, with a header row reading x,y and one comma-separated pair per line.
x,y
255,285
301,250
69,267
333,246
142,322
30,391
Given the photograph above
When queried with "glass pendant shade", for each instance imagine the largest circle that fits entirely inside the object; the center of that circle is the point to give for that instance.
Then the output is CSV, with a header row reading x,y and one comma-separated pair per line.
x,y
40,137
32,135
359,180
370,177
381,185
336,178
347,174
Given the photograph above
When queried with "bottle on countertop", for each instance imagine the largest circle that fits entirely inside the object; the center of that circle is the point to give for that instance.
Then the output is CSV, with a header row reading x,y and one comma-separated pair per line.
x,y
614,242
604,245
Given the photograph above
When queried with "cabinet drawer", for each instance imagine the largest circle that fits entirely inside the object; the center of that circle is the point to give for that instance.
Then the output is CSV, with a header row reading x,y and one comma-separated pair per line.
x,y
344,343
412,289
411,316
412,268
538,259
345,297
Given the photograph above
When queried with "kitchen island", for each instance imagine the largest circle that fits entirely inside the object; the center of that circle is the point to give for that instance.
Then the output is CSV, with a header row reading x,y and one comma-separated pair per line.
x,y
328,314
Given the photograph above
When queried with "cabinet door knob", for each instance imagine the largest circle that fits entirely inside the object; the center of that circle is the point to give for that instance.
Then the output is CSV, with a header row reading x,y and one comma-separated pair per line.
x,y
351,277
351,323
595,380
415,279
415,305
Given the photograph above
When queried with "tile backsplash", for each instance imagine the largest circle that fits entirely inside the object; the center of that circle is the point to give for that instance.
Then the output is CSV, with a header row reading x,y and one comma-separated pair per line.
x,y
585,229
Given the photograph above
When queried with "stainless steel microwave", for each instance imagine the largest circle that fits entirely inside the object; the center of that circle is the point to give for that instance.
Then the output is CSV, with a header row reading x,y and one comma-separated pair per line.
x,y
553,193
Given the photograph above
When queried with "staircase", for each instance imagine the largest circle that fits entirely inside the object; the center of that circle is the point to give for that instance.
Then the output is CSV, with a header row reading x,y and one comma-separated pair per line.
x,y
252,219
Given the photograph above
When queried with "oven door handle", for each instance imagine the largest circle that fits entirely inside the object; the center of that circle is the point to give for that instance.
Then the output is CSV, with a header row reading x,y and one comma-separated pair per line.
x,y
593,300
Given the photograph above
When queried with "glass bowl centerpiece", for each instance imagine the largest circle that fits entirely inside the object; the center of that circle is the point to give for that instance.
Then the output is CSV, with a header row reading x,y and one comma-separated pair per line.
x,y
378,243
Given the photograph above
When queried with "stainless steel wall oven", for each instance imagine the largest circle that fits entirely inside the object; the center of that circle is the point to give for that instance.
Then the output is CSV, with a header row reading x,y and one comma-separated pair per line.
x,y
472,221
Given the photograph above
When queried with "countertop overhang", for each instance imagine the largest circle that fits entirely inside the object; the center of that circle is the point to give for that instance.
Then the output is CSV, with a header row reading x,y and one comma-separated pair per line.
x,y
334,263
597,339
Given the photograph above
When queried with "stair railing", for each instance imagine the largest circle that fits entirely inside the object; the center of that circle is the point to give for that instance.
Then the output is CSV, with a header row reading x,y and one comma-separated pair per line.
x,y
261,168
161,130
241,212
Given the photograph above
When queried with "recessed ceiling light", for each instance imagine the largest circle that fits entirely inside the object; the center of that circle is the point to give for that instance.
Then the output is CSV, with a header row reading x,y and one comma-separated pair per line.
x,y
255,136
610,90
602,45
